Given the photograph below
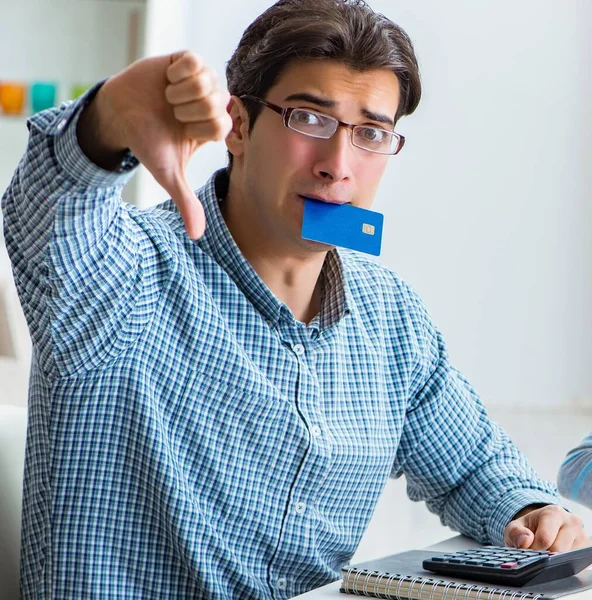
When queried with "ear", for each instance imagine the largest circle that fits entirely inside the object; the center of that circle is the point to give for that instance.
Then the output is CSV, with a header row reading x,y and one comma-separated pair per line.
x,y
235,140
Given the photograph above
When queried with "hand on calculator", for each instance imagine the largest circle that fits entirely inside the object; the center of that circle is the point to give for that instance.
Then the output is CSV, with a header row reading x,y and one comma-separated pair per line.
x,y
549,527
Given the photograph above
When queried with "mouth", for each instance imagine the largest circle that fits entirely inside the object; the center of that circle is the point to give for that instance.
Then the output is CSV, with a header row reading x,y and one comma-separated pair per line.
x,y
321,199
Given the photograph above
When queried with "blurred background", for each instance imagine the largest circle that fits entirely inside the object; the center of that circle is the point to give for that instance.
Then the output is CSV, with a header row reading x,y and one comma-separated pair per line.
x,y
488,213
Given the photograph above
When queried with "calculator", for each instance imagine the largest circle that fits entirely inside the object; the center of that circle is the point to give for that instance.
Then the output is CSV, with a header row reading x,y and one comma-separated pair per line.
x,y
510,566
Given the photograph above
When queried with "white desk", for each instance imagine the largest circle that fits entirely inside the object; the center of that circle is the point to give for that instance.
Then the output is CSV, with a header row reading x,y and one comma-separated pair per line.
x,y
331,591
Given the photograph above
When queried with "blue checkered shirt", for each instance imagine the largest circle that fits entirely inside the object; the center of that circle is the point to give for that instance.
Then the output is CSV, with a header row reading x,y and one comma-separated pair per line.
x,y
188,437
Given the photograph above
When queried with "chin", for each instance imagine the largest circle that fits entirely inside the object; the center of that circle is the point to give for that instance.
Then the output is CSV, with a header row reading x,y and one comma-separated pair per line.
x,y
316,247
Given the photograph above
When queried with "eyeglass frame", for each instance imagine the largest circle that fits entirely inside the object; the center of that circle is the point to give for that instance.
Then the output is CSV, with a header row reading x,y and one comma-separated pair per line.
x,y
286,113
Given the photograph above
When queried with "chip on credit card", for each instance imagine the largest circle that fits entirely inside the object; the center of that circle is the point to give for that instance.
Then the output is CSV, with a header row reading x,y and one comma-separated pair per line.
x,y
342,225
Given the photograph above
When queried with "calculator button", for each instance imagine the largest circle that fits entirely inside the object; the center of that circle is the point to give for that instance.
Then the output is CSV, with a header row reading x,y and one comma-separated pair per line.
x,y
438,559
455,560
491,563
473,561
509,565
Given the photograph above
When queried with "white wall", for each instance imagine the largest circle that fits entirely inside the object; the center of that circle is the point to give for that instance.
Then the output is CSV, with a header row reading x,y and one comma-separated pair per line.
x,y
167,31
487,210
488,207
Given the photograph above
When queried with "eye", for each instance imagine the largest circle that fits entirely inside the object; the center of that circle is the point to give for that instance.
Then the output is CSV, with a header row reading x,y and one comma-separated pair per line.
x,y
372,134
304,117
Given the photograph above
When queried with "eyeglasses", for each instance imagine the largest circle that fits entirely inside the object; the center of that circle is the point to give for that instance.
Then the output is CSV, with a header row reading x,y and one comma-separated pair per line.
x,y
318,125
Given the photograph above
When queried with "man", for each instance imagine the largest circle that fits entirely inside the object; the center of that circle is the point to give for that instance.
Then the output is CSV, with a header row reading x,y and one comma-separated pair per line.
x,y
217,403
575,474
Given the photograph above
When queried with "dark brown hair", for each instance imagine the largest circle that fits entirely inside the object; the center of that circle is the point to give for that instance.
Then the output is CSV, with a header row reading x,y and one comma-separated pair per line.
x,y
348,31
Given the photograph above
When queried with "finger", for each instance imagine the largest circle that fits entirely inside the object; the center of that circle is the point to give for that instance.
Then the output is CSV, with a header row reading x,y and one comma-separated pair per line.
x,y
566,537
571,534
183,65
582,541
209,131
546,533
517,535
188,204
213,107
192,88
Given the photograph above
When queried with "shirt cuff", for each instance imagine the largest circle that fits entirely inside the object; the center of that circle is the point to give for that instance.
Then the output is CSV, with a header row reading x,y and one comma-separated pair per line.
x,y
510,505
70,156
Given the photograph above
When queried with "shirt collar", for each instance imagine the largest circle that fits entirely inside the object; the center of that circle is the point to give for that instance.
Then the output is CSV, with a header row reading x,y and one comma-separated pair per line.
x,y
219,244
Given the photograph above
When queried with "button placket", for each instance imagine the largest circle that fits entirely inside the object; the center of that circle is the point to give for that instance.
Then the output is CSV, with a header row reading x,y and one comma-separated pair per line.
x,y
281,583
298,349
300,508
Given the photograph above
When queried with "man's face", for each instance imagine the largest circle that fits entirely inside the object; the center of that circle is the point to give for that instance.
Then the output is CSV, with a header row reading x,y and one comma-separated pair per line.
x,y
279,166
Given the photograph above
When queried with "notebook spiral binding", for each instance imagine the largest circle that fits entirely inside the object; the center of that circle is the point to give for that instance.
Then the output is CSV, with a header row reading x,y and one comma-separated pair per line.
x,y
369,588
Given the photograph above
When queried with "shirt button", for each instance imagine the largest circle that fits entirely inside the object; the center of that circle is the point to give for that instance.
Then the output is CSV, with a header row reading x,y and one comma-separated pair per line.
x,y
300,507
281,583
316,431
61,124
298,349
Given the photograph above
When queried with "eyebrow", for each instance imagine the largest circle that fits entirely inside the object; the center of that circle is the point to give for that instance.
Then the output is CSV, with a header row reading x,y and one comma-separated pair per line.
x,y
326,103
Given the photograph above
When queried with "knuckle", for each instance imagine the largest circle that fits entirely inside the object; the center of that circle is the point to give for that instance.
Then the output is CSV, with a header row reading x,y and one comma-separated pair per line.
x,y
200,85
576,521
213,107
207,109
214,129
197,85
553,509
191,60
544,540
511,528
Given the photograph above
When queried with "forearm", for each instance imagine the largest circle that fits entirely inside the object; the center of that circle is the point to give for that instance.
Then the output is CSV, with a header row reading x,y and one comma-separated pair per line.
x,y
99,133
496,490
477,480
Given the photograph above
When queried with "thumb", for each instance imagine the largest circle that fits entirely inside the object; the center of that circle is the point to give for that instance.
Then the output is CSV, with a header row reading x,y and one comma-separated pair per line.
x,y
187,202
521,537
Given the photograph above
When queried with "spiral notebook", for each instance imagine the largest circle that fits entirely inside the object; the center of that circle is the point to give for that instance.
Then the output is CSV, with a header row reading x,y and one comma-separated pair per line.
x,y
401,577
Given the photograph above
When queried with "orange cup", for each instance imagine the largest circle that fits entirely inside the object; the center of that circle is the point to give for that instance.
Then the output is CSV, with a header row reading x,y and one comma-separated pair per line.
x,y
12,98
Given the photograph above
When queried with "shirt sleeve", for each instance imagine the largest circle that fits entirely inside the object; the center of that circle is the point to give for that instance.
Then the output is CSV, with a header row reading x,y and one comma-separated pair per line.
x,y
78,255
453,456
575,474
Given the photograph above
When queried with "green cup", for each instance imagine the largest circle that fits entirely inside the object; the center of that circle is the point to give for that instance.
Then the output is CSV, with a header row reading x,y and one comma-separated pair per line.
x,y
43,96
78,89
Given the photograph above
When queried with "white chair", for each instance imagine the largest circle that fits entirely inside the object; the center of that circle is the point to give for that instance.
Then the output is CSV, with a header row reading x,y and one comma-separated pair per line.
x,y
13,425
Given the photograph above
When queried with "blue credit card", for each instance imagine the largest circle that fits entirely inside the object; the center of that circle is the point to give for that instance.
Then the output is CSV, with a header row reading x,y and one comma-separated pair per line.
x,y
342,225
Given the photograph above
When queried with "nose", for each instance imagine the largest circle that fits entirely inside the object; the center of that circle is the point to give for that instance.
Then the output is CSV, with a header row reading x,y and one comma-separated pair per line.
x,y
334,162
